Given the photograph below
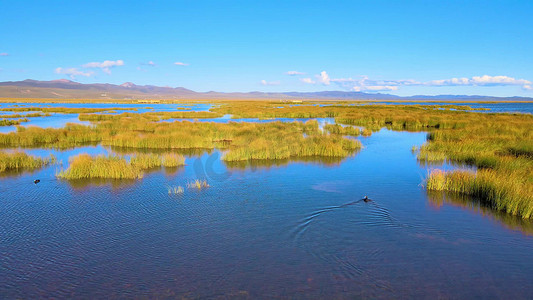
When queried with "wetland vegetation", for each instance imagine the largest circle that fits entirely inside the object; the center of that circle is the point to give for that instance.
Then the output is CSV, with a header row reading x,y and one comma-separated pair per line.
x,y
499,146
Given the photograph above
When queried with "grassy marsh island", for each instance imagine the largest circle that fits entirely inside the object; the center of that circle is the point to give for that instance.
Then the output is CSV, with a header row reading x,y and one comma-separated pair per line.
x,y
197,184
7,122
84,166
30,115
19,160
151,160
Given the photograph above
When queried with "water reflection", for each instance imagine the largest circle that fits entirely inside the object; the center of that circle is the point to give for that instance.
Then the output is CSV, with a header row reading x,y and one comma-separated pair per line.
x,y
135,107
89,183
58,120
493,107
186,151
254,164
439,199
171,172
16,172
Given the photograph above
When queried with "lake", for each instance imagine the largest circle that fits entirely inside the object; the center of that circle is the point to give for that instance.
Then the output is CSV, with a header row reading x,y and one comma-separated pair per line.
x,y
284,229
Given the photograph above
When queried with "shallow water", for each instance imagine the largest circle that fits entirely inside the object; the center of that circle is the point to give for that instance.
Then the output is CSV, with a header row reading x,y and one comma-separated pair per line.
x,y
139,107
58,120
500,107
291,229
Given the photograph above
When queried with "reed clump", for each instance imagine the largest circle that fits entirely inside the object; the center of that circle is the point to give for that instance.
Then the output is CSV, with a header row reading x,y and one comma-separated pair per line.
x,y
342,130
97,117
84,166
149,116
64,110
21,160
188,115
366,132
198,184
176,190
278,140
69,136
510,193
151,160
271,110
428,156
32,115
146,160
173,160
7,122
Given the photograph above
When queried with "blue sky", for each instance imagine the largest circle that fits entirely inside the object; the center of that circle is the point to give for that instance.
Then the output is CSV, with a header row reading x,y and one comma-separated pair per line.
x,y
399,47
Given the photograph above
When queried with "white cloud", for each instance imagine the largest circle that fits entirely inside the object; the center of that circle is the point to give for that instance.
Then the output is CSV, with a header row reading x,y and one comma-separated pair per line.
x,y
308,80
179,63
73,72
4,54
366,84
150,63
381,88
453,81
373,88
484,80
498,80
294,73
105,65
323,78
264,82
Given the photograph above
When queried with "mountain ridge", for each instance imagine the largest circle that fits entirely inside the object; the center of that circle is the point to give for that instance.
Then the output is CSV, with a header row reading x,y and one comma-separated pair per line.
x,y
68,89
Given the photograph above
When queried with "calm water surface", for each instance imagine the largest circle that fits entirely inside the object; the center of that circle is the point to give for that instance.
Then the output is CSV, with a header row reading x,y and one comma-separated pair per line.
x,y
500,107
58,120
293,229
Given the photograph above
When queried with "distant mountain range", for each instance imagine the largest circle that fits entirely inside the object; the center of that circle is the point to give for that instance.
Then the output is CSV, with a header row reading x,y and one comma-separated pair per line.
x,y
67,89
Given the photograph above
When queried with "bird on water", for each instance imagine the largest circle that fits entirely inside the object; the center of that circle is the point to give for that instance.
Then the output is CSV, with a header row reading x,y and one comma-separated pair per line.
x,y
366,199
36,181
